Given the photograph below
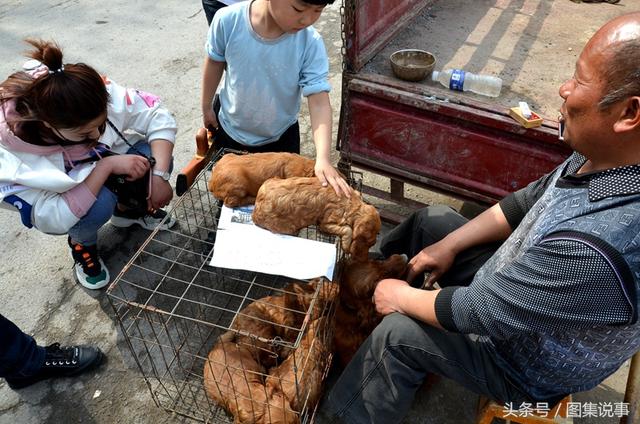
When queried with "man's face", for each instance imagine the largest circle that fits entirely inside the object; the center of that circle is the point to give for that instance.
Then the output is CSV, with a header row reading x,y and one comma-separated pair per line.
x,y
294,15
583,121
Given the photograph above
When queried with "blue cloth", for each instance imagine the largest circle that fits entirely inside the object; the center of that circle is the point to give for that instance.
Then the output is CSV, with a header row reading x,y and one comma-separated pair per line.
x,y
574,359
264,78
20,356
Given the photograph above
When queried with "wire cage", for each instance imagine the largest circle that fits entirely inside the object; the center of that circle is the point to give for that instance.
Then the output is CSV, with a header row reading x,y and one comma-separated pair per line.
x,y
215,343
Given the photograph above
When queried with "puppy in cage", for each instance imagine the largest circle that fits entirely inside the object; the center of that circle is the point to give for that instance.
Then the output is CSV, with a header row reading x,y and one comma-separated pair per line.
x,y
251,371
271,317
300,376
288,205
235,380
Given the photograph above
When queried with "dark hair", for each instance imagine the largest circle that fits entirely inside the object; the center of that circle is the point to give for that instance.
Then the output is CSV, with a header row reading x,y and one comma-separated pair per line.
x,y
622,73
318,2
69,98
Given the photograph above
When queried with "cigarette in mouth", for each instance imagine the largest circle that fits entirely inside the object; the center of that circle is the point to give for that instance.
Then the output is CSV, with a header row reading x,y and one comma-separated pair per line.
x,y
560,130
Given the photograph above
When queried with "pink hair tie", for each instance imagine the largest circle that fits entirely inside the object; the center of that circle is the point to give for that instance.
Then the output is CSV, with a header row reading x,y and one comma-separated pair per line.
x,y
36,69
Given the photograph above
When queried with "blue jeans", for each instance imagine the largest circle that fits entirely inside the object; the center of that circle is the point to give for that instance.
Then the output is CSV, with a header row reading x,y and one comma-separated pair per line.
x,y
85,231
380,382
20,356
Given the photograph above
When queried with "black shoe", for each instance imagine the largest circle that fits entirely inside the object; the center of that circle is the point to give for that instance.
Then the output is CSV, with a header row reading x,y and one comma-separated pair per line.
x,y
61,362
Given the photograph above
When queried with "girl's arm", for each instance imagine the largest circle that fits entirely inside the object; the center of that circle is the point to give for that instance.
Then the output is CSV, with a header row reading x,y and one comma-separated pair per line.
x,y
161,190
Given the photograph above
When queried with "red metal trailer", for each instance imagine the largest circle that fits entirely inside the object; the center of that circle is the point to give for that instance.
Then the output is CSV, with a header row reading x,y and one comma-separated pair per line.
x,y
462,145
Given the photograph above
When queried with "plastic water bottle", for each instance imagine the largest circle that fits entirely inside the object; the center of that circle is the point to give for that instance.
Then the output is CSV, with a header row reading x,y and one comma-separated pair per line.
x,y
457,79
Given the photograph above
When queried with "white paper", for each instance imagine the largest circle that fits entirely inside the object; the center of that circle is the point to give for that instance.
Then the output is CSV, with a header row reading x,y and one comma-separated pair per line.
x,y
242,245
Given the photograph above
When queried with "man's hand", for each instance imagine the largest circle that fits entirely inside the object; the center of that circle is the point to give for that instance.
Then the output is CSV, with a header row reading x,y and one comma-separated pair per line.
x,y
393,295
436,259
327,174
388,296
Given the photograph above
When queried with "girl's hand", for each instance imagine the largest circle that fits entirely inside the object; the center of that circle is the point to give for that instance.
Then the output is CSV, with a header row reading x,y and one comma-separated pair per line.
x,y
327,174
133,166
161,193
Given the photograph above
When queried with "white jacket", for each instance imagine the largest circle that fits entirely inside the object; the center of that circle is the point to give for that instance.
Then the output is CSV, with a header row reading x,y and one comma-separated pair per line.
x,y
34,180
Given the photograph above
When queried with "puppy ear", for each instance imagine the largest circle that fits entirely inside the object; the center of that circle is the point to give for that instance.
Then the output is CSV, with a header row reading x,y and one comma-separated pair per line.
x,y
364,236
367,226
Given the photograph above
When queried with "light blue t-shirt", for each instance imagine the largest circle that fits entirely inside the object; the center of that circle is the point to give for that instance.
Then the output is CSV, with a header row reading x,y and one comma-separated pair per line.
x,y
264,78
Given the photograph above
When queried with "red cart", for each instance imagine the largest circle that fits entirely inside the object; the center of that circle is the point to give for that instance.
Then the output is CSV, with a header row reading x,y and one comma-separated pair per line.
x,y
423,134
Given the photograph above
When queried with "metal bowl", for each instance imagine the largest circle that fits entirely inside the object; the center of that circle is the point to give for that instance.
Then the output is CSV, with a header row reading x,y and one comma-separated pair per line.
x,y
412,64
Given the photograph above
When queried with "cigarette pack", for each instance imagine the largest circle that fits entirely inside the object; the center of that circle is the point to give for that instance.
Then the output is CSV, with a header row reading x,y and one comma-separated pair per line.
x,y
534,121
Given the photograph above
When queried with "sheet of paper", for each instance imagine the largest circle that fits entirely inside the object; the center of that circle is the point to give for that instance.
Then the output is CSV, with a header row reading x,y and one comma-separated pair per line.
x,y
242,245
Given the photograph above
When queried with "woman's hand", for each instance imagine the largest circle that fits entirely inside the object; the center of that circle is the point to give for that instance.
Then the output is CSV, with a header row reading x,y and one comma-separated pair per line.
x,y
388,295
161,193
436,258
327,174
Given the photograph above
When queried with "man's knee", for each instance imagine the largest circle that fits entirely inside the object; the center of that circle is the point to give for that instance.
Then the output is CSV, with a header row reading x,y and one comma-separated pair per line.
x,y
397,329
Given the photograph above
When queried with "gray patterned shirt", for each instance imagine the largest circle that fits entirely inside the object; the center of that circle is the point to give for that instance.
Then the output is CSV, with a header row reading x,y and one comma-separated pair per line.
x,y
558,299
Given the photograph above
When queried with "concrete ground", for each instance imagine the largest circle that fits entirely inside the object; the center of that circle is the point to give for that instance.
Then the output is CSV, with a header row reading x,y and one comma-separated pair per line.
x,y
158,47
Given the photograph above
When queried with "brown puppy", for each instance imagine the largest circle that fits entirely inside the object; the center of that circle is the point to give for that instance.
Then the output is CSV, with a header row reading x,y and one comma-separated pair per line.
x,y
286,206
234,380
280,316
234,372
235,179
299,377
356,315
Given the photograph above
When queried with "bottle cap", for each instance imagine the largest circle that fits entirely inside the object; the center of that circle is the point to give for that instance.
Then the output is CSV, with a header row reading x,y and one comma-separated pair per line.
x,y
435,75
